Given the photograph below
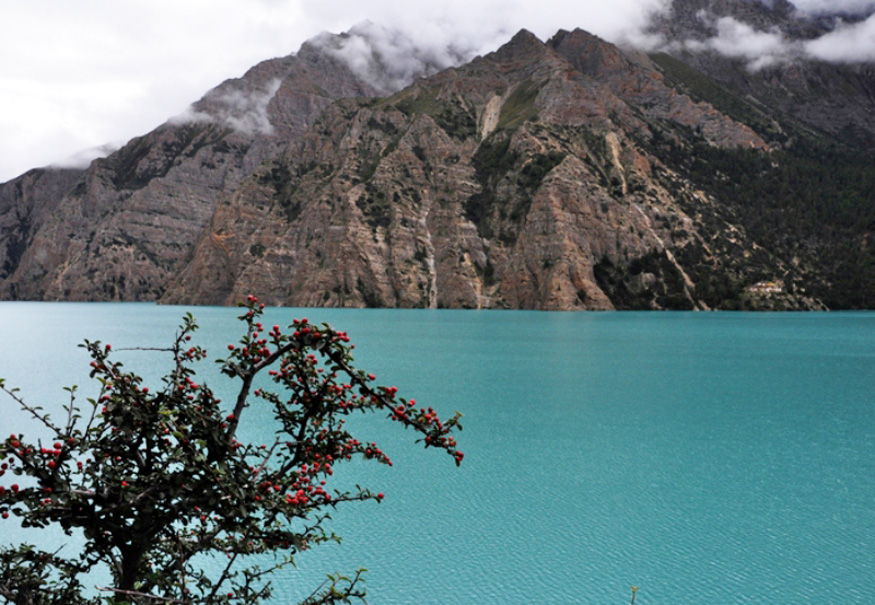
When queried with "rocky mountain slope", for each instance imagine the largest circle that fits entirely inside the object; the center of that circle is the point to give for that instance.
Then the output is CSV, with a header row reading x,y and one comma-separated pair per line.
x,y
515,181
122,228
566,174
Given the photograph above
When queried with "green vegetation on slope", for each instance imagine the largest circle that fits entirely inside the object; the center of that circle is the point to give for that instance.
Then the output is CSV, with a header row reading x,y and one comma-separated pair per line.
x,y
812,206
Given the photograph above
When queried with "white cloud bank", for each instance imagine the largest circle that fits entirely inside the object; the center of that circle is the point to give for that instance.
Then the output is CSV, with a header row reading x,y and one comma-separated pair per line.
x,y
83,158
244,112
848,42
390,59
737,39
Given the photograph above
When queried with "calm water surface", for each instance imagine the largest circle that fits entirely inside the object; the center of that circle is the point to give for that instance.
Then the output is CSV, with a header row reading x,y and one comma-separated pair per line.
x,y
706,458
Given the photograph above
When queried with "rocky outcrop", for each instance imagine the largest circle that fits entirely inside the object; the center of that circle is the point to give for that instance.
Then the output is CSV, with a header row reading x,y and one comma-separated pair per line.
x,y
635,79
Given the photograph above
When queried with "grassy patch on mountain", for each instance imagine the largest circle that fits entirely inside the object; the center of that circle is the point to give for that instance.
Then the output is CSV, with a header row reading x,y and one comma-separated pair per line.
x,y
519,107
492,161
537,167
376,207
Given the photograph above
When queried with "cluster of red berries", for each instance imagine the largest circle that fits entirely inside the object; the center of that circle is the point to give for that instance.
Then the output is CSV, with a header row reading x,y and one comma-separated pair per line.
x,y
13,441
194,353
303,489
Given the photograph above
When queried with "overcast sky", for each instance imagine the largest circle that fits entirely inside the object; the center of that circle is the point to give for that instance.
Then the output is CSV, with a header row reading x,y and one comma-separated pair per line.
x,y
78,74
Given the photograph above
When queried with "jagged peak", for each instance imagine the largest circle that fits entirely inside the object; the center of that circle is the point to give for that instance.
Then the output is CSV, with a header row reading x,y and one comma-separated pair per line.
x,y
524,37
523,41
525,48
579,37
588,53
577,32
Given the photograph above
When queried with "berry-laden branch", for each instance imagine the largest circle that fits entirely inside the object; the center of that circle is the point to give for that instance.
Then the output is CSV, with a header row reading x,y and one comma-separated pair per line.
x,y
156,478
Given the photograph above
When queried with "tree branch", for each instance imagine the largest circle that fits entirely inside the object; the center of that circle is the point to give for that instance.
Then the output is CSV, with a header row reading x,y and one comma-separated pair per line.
x,y
134,593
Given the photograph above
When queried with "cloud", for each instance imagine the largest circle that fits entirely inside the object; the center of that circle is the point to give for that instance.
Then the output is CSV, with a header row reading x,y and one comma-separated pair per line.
x,y
848,43
82,159
737,39
390,59
245,112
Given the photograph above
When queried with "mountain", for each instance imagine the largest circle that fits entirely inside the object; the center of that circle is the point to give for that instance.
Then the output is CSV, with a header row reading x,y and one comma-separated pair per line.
x,y
123,227
514,181
566,174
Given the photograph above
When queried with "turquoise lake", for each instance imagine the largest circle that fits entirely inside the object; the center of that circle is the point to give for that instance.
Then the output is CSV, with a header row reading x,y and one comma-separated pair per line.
x,y
705,458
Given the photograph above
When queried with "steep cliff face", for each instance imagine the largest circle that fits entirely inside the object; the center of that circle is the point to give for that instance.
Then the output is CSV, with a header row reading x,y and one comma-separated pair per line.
x,y
124,228
25,203
516,181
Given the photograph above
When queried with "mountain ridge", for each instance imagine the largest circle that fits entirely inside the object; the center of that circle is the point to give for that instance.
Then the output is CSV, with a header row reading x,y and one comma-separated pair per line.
x,y
566,174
